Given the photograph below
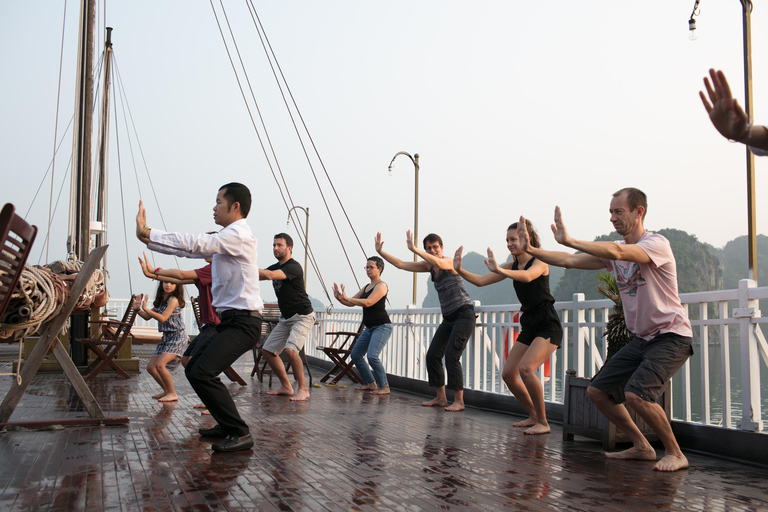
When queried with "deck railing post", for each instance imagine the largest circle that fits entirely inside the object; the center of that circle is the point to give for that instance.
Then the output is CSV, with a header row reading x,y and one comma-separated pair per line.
x,y
750,359
578,321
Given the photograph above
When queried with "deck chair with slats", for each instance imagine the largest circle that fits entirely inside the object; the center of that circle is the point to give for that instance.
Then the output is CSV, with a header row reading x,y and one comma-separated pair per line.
x,y
16,237
229,372
108,338
339,351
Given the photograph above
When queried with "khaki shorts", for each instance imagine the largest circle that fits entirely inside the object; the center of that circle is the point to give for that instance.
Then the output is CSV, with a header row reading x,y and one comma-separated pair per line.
x,y
290,333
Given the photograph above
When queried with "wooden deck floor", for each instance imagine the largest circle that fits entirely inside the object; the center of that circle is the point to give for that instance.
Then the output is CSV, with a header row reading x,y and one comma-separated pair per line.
x,y
341,450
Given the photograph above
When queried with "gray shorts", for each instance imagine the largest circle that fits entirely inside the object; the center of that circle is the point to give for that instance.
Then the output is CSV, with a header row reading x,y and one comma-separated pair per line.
x,y
643,367
290,333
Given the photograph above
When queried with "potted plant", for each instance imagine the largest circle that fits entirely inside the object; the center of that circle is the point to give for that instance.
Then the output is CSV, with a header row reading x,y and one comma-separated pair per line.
x,y
580,416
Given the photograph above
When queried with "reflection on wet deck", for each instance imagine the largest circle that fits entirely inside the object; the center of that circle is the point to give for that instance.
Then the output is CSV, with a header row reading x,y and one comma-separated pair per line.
x,y
341,450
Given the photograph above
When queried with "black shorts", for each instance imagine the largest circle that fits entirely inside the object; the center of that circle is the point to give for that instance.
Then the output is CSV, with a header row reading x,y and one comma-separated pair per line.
x,y
643,367
540,322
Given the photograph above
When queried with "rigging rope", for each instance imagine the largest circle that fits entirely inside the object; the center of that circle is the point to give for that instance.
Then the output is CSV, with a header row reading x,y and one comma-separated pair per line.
x,y
258,134
56,123
274,155
260,30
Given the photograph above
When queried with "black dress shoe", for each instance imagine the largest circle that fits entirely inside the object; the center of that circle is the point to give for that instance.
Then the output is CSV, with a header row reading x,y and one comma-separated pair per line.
x,y
233,443
216,431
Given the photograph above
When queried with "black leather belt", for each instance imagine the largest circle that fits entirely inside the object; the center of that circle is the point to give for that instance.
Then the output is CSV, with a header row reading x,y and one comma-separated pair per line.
x,y
231,313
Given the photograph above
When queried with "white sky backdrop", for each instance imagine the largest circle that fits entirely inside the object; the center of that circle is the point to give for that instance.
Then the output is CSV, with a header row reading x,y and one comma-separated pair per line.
x,y
514,107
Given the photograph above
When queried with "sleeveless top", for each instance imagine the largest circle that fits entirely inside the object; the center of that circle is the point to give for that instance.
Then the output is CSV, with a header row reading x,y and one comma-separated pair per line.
x,y
535,293
375,315
174,323
450,291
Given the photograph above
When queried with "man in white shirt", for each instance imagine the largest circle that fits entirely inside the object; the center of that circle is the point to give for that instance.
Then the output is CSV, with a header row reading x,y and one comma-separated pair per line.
x,y
646,273
236,298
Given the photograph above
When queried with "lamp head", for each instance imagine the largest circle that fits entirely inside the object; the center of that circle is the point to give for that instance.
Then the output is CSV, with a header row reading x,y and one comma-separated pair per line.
x,y
390,170
692,29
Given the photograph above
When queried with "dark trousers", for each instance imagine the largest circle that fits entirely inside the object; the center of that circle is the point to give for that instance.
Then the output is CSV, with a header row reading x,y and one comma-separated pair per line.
x,y
450,340
234,337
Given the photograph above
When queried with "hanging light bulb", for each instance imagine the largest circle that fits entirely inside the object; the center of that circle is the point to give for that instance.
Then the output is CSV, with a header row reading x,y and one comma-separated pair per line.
x,y
692,30
390,170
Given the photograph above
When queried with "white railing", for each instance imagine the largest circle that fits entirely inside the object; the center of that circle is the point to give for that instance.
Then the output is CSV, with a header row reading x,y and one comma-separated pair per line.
x,y
722,384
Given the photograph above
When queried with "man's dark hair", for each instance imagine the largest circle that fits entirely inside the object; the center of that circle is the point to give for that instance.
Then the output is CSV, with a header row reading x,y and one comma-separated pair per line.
x,y
287,238
635,198
379,263
237,193
432,238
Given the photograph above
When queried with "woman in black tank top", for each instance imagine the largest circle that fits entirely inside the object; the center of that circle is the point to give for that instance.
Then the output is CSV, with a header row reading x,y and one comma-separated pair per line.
x,y
541,332
378,327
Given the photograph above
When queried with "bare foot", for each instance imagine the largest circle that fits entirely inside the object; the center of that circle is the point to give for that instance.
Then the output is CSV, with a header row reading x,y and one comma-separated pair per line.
x,y
440,402
200,406
671,463
525,423
206,412
634,453
282,391
538,428
171,397
367,387
381,391
159,395
455,407
300,395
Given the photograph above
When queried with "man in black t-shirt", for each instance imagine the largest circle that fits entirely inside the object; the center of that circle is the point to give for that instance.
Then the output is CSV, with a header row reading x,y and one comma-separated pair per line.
x,y
296,317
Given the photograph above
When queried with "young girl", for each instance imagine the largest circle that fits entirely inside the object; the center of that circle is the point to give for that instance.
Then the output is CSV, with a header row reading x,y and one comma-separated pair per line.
x,y
169,302
541,332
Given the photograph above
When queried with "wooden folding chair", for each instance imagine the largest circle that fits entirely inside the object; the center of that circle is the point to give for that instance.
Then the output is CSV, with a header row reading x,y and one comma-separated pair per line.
x,y
338,352
16,237
107,340
270,317
229,372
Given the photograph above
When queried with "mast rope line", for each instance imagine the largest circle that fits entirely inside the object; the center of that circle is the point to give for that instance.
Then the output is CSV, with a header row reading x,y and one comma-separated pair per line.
x,y
258,134
277,79
270,54
260,29
290,207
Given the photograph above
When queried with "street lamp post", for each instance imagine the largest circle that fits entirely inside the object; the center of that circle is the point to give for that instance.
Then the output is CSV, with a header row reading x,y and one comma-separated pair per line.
x,y
415,160
306,238
746,12
746,7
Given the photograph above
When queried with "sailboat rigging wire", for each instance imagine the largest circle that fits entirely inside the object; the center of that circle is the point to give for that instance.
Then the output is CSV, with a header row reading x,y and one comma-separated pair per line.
x,y
56,206
272,149
50,165
260,30
125,105
122,201
253,122
56,123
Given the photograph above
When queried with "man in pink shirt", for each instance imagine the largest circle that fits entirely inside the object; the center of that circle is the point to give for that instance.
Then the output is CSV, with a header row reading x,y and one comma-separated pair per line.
x,y
647,277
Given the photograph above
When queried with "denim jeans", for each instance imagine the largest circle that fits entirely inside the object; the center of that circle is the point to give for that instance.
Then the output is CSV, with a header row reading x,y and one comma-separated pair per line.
x,y
371,342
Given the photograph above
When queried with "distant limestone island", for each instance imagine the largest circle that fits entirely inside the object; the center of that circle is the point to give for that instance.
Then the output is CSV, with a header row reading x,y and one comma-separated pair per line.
x,y
700,267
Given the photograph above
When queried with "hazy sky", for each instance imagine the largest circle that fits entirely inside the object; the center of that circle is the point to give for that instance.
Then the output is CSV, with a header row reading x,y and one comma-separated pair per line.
x,y
514,107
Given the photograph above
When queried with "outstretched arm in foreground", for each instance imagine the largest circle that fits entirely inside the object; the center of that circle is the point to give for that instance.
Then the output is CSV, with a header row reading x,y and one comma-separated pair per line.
x,y
410,266
378,292
727,116
164,275
443,263
557,258
475,279
537,269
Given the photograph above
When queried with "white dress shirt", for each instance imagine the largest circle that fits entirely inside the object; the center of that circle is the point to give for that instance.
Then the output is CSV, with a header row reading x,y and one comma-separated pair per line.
x,y
234,271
